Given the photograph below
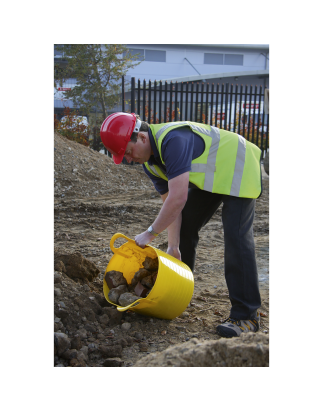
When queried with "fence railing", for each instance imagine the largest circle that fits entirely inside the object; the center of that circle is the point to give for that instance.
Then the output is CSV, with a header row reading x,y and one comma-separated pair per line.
x,y
240,109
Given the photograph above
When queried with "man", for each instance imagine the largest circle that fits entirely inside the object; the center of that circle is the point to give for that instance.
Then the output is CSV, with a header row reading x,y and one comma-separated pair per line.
x,y
195,168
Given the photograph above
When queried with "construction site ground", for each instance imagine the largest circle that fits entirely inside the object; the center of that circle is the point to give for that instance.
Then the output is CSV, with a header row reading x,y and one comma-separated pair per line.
x,y
93,200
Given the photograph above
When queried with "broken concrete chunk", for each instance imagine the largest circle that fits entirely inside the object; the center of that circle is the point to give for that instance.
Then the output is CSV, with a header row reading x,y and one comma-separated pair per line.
x,y
147,282
115,293
114,279
127,298
139,275
151,264
140,290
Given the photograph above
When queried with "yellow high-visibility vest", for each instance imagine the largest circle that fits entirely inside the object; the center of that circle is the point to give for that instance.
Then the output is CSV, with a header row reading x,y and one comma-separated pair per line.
x,y
229,164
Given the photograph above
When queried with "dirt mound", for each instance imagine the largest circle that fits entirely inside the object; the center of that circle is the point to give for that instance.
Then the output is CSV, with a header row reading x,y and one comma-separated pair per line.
x,y
83,172
75,265
94,199
250,350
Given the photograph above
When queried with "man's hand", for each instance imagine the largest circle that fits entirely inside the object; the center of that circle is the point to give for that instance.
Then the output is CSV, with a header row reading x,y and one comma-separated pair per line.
x,y
144,238
174,251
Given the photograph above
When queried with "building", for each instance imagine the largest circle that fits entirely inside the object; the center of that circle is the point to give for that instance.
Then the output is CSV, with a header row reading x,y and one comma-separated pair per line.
x,y
241,64
233,63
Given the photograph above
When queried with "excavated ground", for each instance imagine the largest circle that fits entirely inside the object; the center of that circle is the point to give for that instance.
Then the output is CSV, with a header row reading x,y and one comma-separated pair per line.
x,y
93,200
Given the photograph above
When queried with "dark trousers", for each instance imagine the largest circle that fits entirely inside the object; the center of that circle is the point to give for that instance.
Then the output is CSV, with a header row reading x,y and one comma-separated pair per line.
x,y
239,249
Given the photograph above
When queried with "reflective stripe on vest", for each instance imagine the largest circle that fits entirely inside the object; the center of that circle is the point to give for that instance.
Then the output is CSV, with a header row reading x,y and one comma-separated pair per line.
x,y
153,169
209,168
238,169
238,165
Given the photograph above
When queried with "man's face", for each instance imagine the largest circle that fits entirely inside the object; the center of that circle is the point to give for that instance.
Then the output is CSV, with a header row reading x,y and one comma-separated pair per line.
x,y
138,152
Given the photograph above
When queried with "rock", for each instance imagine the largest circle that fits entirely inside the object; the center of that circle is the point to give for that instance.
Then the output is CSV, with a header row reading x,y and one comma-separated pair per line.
x,y
90,327
86,288
76,265
143,346
61,313
100,337
114,279
85,351
110,350
151,264
57,278
127,298
123,342
56,327
138,336
57,292
79,301
113,362
90,315
101,300
115,293
114,315
95,306
69,354
76,342
92,348
148,281
77,363
140,290
59,266
104,319
125,326
82,333
248,350
139,275
129,340
180,328
62,343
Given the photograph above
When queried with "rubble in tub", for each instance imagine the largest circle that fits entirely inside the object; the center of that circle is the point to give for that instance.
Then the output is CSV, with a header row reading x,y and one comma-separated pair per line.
x,y
124,294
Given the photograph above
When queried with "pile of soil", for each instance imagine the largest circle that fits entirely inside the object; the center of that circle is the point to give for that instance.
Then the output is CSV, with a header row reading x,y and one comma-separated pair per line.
x,y
94,199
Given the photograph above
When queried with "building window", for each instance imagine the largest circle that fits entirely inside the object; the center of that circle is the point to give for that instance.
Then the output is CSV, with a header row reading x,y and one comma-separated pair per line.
x,y
149,55
233,59
140,52
56,52
213,58
155,55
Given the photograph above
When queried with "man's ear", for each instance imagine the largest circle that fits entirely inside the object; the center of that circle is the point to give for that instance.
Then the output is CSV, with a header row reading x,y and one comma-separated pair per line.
x,y
142,136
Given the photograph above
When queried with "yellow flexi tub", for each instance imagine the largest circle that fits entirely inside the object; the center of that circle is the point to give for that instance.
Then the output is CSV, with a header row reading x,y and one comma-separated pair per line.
x,y
172,290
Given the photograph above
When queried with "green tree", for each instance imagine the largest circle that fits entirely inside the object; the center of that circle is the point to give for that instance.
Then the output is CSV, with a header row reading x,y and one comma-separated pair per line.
x,y
97,69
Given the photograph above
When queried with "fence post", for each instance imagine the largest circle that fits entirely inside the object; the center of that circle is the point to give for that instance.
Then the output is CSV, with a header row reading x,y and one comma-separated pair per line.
x,y
133,95
123,105
155,98
149,102
176,101
138,99
211,111
144,101
230,113
165,103
226,106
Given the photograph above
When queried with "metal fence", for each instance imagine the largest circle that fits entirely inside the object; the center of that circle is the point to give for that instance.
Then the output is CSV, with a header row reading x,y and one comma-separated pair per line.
x,y
240,109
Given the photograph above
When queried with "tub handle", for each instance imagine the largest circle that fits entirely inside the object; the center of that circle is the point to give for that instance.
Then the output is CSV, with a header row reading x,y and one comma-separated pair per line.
x,y
134,304
116,250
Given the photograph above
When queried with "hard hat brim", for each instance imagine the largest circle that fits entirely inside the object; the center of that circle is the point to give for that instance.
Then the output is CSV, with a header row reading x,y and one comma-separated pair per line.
x,y
117,158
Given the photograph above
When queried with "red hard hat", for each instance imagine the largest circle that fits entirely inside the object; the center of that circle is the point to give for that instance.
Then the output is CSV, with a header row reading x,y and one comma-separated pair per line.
x,y
116,131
